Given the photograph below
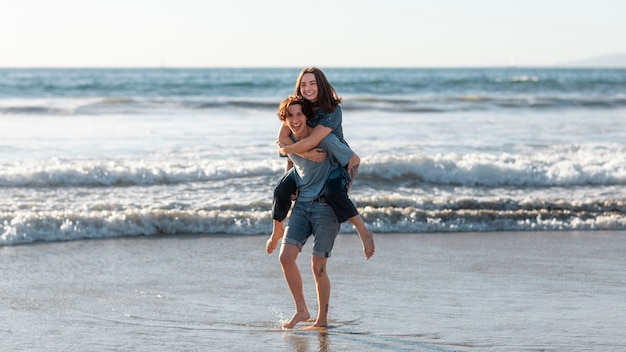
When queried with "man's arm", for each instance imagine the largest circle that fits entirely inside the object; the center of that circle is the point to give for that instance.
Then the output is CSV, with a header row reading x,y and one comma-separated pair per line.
x,y
285,143
306,144
284,136
327,122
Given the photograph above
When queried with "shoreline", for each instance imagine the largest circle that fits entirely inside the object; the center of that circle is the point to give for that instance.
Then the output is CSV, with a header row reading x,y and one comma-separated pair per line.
x,y
191,236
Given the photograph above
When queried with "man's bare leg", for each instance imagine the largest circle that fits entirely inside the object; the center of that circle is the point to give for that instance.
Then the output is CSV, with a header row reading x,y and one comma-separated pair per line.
x,y
322,286
278,230
288,255
367,238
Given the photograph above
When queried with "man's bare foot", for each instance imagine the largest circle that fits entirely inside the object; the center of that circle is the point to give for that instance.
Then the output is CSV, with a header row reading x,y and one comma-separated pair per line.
x,y
298,317
316,326
368,244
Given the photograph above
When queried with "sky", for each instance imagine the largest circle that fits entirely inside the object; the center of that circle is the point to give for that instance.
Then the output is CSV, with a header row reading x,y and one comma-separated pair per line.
x,y
295,33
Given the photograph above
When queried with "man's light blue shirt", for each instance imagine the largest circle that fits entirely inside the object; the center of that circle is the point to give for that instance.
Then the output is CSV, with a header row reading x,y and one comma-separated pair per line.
x,y
311,176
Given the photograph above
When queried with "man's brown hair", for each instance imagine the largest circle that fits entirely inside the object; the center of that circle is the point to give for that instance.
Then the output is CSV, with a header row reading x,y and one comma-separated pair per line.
x,y
283,108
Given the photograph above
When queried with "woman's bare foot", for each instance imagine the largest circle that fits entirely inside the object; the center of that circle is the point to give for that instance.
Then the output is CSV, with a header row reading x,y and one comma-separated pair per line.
x,y
298,317
368,244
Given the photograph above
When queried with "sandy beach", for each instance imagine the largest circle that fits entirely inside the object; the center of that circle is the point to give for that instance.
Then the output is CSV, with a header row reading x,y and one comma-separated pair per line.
x,y
501,291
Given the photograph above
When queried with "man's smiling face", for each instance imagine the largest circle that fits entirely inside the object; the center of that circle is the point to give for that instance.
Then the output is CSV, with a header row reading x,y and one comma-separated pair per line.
x,y
296,120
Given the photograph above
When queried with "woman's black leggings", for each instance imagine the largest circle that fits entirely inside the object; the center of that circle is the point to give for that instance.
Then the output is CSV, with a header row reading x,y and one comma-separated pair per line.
x,y
335,193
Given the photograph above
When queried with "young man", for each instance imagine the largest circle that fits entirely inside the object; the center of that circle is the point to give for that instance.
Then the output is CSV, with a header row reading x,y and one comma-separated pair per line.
x,y
310,214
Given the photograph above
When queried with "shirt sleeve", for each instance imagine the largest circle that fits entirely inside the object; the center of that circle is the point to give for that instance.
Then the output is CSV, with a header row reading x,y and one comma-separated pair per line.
x,y
332,120
337,150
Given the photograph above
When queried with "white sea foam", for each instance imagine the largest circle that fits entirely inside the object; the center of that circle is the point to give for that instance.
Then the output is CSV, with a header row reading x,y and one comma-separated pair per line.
x,y
564,187
453,216
568,165
563,165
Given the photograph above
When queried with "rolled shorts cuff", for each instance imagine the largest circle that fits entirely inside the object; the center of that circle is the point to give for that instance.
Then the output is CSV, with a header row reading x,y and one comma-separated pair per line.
x,y
293,242
315,253
321,254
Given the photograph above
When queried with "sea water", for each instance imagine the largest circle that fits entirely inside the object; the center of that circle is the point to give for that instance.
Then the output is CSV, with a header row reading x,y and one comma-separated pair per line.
x,y
101,153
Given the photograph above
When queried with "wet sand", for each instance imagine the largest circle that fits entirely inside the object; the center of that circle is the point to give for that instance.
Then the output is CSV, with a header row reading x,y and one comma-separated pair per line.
x,y
504,291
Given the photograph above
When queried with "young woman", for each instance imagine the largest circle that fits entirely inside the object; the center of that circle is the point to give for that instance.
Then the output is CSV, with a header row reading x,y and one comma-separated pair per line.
x,y
313,86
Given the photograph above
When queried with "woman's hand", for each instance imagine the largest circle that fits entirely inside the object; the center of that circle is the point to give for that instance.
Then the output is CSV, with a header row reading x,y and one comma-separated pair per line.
x,y
316,155
281,147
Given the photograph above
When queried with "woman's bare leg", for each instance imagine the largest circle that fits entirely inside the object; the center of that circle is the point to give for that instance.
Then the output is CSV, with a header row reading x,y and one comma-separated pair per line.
x,y
367,238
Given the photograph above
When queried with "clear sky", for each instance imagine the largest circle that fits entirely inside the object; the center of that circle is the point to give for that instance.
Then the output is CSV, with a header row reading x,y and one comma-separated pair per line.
x,y
296,33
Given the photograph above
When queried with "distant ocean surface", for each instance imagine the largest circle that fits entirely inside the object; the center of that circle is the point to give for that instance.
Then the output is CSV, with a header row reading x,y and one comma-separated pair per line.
x,y
100,153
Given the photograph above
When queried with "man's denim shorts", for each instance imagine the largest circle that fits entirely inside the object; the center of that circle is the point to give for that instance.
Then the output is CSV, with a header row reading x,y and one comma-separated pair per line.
x,y
312,218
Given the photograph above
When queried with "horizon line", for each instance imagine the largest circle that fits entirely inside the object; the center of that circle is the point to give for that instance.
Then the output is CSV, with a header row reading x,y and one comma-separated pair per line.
x,y
325,67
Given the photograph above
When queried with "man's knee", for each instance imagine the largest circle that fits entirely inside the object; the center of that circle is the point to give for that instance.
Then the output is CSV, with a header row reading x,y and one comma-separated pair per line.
x,y
288,254
318,266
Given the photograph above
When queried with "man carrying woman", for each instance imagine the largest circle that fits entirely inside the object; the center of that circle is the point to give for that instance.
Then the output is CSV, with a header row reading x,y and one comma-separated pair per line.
x,y
325,119
311,214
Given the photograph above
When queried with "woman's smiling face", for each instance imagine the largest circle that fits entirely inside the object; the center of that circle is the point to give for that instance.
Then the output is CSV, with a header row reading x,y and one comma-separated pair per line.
x,y
308,87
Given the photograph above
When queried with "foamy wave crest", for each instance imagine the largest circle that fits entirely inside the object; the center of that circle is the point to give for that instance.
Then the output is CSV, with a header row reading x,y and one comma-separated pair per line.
x,y
436,215
382,215
568,165
558,166
129,105
43,106
477,102
411,104
52,226
127,172
412,220
404,215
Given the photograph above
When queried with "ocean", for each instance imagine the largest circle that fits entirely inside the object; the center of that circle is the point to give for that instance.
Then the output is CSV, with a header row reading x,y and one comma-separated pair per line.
x,y
100,153
135,205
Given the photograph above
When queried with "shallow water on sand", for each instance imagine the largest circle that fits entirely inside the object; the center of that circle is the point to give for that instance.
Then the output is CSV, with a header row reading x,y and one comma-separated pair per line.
x,y
443,292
